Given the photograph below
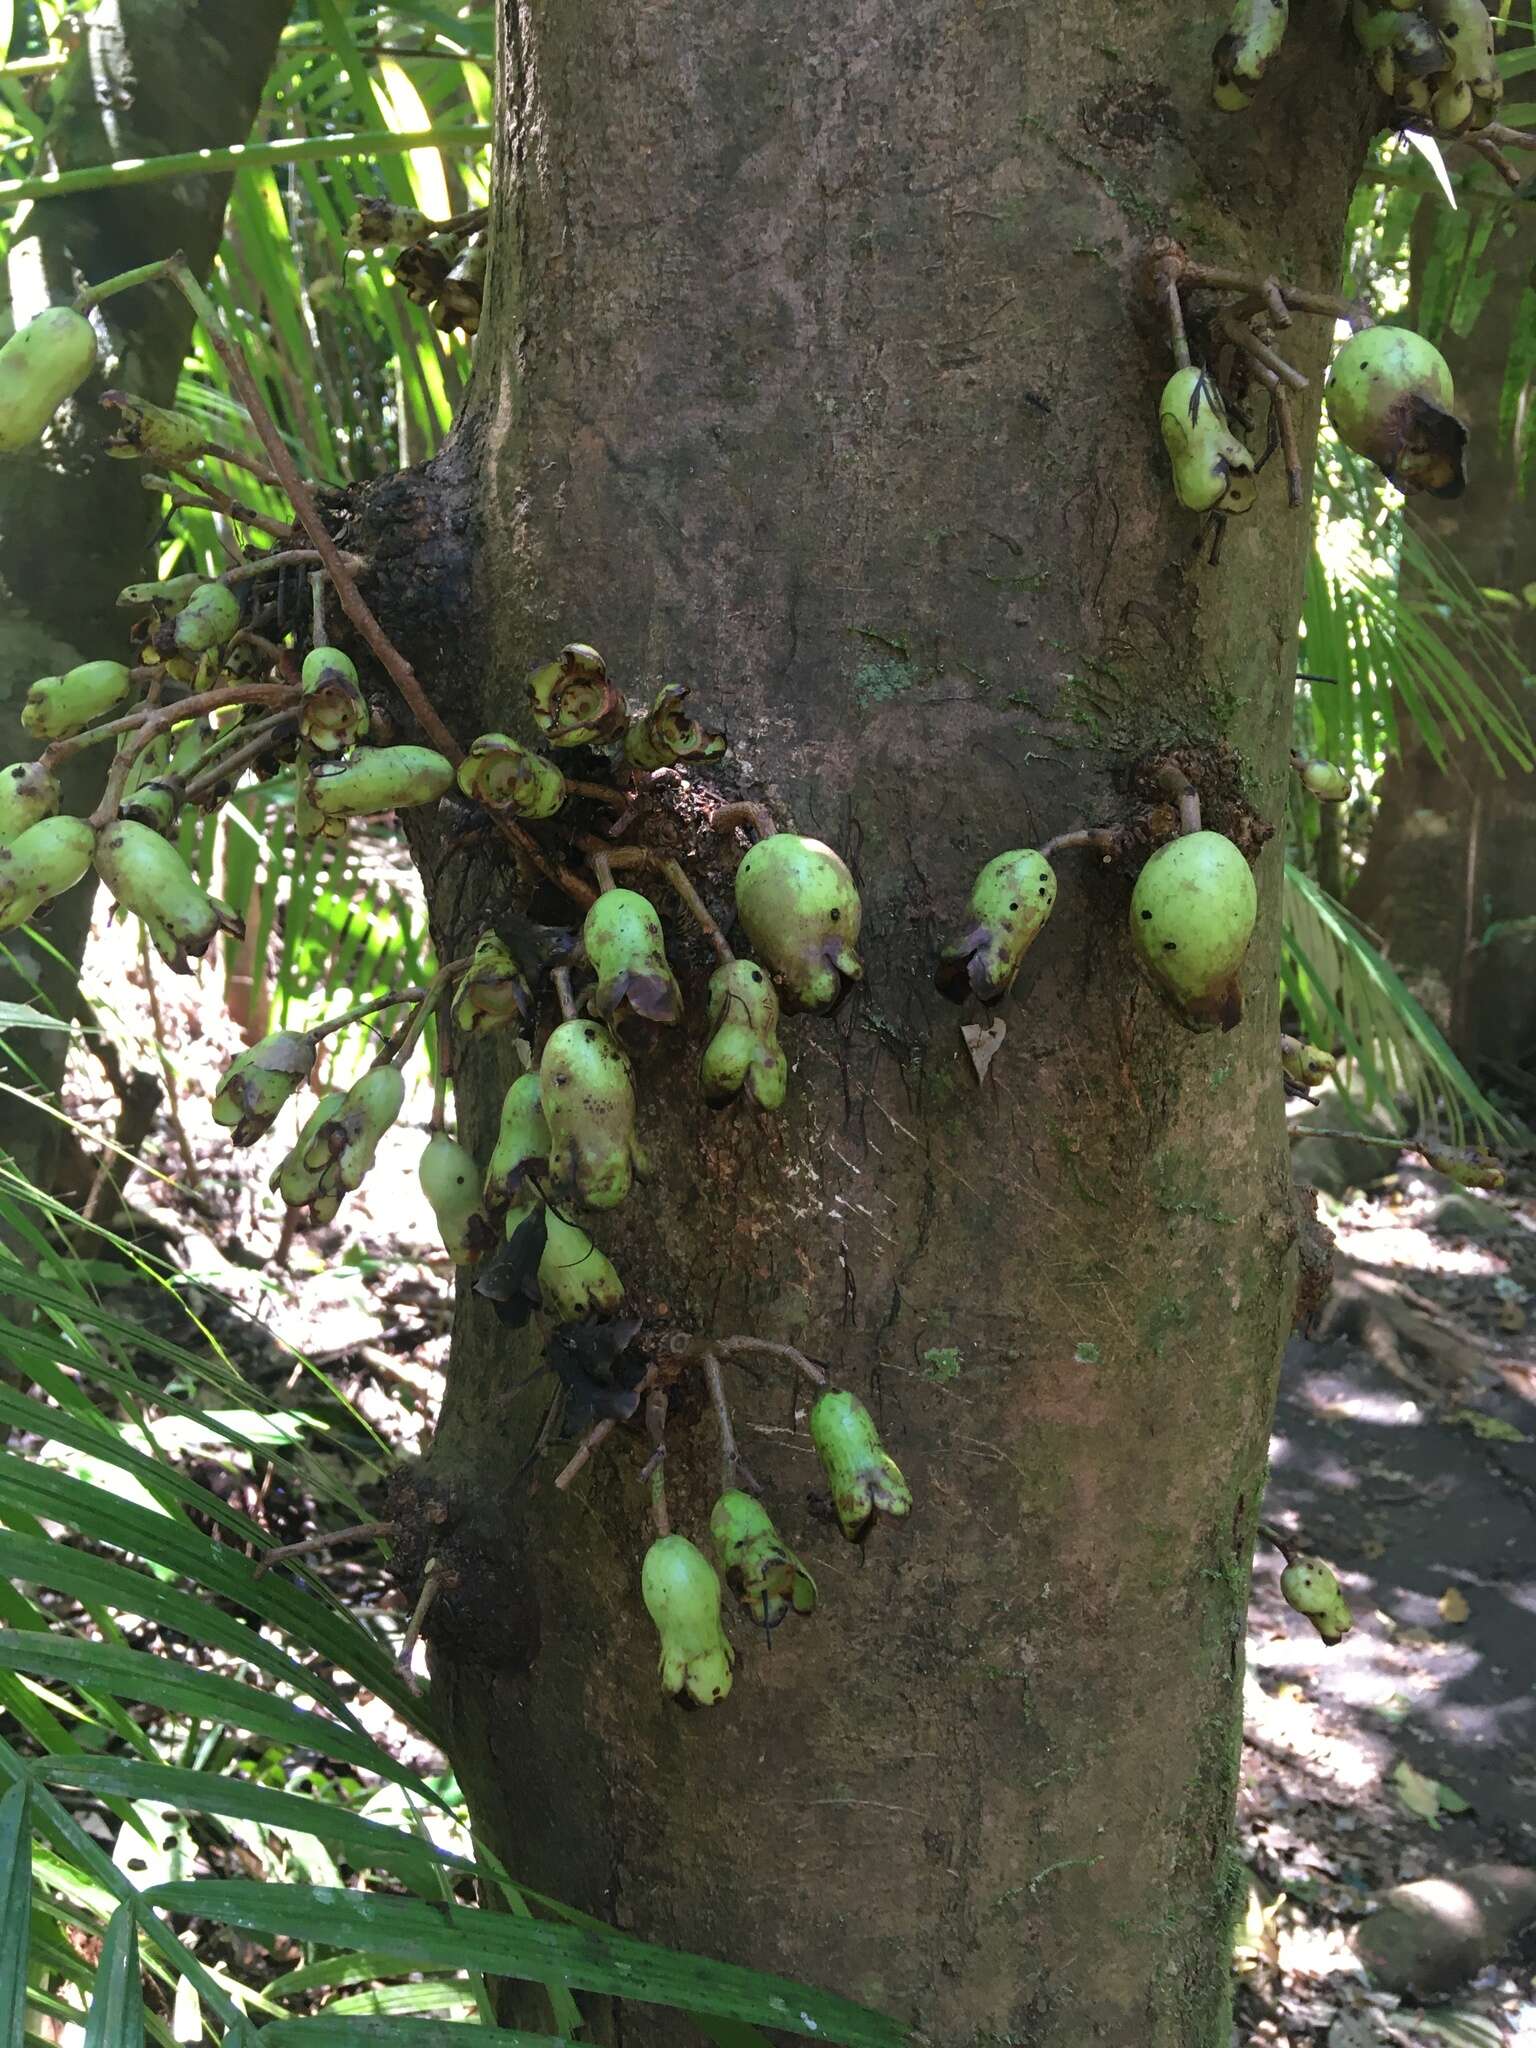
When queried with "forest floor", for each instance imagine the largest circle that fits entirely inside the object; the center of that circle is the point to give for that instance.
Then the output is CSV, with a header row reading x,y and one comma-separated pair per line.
x,y
1404,1452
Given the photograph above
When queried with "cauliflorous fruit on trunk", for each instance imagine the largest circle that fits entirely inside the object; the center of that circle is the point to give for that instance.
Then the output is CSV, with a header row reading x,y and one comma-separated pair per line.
x,y
1470,1166
760,1568
165,599
157,804
1322,779
1239,60
1465,27
378,222
28,794
147,876
1307,1065
41,863
450,1180
799,907
297,1177
343,1149
576,1280
1013,896
666,734
628,954
492,991
40,366
1309,1586
373,780
260,1081
151,432
498,770
1390,397
865,1480
333,715
1192,915
1212,470
210,616
572,701
743,1056
522,1141
589,1103
682,1597
57,707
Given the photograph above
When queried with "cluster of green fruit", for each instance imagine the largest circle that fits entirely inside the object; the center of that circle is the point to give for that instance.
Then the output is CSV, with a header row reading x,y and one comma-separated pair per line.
x,y
680,1586
439,264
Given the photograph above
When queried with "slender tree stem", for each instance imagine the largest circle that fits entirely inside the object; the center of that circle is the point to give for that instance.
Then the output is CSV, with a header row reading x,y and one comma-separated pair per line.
x,y
435,988
217,767
220,451
733,1468
361,1010
211,499
431,1586
360,1532
125,281
281,558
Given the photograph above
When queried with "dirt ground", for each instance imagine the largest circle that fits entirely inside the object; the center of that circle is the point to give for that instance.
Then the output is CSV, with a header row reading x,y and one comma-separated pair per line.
x,y
1404,1452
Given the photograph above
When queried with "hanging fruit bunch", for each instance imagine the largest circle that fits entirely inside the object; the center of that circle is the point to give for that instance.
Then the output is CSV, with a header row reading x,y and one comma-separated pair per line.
x,y
438,264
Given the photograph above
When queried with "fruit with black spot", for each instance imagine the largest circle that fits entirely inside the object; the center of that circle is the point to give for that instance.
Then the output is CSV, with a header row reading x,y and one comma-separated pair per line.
x,y
332,715
1013,896
1212,470
1390,398
682,1596
372,780
522,1144
260,1081
800,910
1192,915
29,792
576,1280
497,770
450,1180
1309,1066
866,1481
40,366
1242,54
1309,1586
624,943
40,864
588,1098
743,1056
210,617
297,1176
150,432
57,707
147,876
760,1568
343,1149
1323,779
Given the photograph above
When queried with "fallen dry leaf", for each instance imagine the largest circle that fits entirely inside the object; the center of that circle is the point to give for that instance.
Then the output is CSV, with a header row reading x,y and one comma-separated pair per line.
x,y
1453,1606
983,1042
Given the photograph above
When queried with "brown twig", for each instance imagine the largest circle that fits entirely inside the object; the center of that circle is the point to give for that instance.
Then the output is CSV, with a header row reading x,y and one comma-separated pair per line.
x,y
280,558
561,977
164,719
1235,327
748,817
734,1470
1176,785
219,451
1099,837
731,1347
1287,1546
1506,137
1491,153
212,499
656,1464
435,1582
259,741
360,1532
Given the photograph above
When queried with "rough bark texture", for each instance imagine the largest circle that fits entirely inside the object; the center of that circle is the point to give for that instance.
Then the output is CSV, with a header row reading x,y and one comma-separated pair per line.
x,y
1450,850
816,374
151,77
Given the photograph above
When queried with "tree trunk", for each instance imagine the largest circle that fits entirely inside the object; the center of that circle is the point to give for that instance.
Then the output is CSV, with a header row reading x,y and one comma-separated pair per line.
x,y
152,77
818,373
1449,854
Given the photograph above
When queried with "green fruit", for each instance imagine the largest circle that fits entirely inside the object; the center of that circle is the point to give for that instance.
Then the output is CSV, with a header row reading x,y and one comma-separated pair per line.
x,y
1309,1586
40,366
260,1081
1470,1166
572,701
1013,896
1329,784
799,907
166,598
589,1104
450,1180
865,1481
682,1597
333,715
493,990
760,1569
156,804
575,1278
149,431
498,771
147,876
377,222
665,735
743,1056
1389,398
373,780
1212,470
1307,1065
57,707
342,1150
296,1179
1192,915
522,1141
41,863
28,793
210,616
623,938
1239,60
1465,28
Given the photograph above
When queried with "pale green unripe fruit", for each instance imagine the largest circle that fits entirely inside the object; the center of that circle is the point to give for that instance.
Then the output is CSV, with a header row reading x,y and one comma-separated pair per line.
x,y
666,734
57,707
40,366
157,804
800,909
1465,28
28,794
343,1149
576,1280
623,938
1012,898
1309,1586
573,702
260,1081
1212,470
151,432
522,1139
1240,58
450,1180
760,1568
492,991
41,863
866,1482
1192,915
589,1103
147,876
743,1055
682,1597
1309,1066
1322,779
167,598
378,221
1389,398
333,715
296,1179
210,616
377,779
497,770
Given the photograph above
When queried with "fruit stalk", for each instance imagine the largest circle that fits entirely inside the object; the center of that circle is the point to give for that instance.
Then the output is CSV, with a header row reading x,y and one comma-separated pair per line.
x,y
733,1469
